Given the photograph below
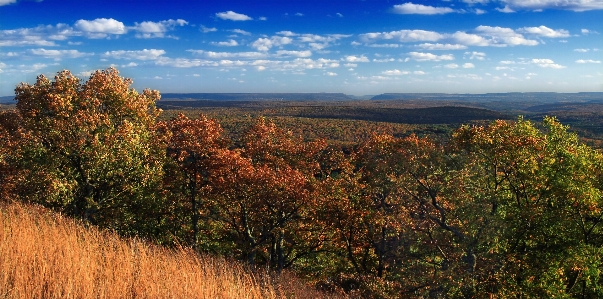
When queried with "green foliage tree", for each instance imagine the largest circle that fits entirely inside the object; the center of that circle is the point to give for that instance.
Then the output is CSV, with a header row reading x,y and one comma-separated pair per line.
x,y
92,149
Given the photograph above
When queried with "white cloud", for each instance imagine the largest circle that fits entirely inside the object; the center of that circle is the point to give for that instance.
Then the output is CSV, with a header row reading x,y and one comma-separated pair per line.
x,y
223,55
585,31
287,33
299,14
505,9
418,56
545,31
229,43
507,62
587,61
233,16
402,36
471,2
306,53
383,45
207,29
37,36
419,72
339,15
505,36
574,5
476,55
479,11
58,54
410,8
429,46
146,54
354,59
157,29
262,18
468,65
451,66
581,50
319,42
546,63
395,72
331,74
7,2
469,39
100,28
264,44
350,65
384,60
240,31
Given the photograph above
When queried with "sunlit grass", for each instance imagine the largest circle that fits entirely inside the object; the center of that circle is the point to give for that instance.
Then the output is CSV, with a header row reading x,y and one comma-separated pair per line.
x,y
46,255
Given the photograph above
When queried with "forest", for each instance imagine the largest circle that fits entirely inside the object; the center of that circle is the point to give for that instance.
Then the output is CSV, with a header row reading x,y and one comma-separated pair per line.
x,y
355,200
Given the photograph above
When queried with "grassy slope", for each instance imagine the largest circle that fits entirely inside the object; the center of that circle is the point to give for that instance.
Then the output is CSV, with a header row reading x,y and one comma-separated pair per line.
x,y
45,255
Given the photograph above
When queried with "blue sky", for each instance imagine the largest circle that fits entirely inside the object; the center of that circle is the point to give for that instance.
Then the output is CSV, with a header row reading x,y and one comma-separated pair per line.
x,y
355,47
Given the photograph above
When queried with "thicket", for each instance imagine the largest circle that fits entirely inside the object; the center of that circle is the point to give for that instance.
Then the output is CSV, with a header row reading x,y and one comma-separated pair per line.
x,y
509,209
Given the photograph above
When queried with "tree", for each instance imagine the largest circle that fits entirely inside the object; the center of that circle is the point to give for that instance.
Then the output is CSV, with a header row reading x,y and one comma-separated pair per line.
x,y
93,150
193,145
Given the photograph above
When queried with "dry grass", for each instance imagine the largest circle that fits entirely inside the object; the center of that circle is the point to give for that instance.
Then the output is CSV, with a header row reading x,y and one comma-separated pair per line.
x,y
45,255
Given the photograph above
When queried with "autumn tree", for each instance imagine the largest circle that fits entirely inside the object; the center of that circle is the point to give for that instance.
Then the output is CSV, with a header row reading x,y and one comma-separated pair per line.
x,y
92,149
194,145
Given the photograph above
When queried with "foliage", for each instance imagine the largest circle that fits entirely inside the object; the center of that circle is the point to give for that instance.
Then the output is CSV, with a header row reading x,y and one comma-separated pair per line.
x,y
505,209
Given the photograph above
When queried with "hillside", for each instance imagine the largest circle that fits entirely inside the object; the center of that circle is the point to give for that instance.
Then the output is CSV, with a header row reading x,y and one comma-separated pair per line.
x,y
46,255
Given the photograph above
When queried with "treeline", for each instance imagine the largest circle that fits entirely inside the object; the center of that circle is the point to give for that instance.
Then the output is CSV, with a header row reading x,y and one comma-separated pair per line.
x,y
509,209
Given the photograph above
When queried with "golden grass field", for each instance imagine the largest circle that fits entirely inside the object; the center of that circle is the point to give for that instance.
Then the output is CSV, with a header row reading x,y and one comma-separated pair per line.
x,y
46,255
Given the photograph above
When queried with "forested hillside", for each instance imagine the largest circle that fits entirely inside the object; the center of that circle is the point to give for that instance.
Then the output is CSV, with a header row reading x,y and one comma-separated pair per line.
x,y
499,209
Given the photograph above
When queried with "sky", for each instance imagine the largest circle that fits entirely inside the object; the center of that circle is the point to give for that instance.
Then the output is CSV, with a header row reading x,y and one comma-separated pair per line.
x,y
354,47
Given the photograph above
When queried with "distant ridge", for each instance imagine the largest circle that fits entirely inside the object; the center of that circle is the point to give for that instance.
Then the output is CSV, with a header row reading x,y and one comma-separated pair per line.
x,y
539,96
258,96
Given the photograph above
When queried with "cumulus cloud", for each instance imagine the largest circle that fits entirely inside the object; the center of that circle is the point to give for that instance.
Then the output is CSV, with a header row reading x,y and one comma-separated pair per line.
x,y
287,33
37,36
223,55
240,31
574,5
410,8
7,2
395,72
402,36
383,45
451,66
505,36
354,59
419,56
233,16
306,53
264,44
429,46
229,43
505,9
587,61
101,28
581,50
146,54
331,74
545,31
157,29
546,63
319,42
469,39
207,29
476,55
58,54
468,65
